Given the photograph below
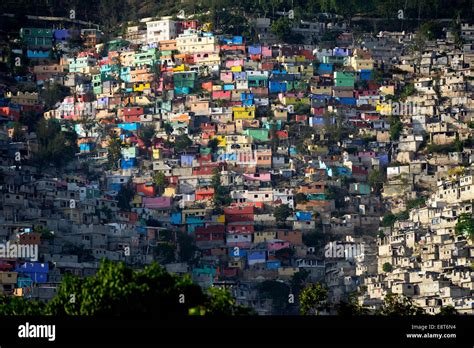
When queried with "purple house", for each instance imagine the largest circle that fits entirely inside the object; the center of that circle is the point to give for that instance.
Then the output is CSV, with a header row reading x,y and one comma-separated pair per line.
x,y
61,34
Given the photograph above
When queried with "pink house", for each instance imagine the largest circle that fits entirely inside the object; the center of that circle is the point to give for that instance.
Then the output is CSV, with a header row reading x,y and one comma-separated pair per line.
x,y
234,62
221,95
156,202
275,245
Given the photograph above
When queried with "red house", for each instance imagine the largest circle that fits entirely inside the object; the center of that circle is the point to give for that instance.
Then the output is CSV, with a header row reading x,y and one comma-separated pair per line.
x,y
132,114
209,233
240,228
239,214
204,194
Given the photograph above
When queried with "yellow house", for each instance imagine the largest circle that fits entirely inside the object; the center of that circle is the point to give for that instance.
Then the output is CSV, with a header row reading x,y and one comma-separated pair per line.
x,y
127,58
324,90
286,100
137,200
291,59
287,271
221,141
384,109
307,70
140,87
181,67
263,236
170,192
243,112
156,153
387,90
362,64
238,139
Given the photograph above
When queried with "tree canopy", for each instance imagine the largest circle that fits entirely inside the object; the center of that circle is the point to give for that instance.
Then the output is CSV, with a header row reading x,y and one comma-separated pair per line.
x,y
119,290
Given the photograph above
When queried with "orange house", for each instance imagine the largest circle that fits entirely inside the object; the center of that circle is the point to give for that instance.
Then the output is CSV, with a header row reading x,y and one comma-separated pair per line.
x,y
315,188
30,238
294,237
147,190
167,45
264,158
204,194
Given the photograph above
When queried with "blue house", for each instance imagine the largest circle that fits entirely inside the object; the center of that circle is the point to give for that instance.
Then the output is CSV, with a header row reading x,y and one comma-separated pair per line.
x,y
129,126
176,218
325,68
275,264
36,271
277,86
128,164
256,49
187,160
365,75
255,257
303,216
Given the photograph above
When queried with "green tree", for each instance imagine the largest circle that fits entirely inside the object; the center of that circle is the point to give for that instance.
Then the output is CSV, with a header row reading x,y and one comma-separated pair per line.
x,y
351,307
448,310
221,194
187,247
220,303
465,225
146,134
298,281
19,134
114,151
316,239
159,179
125,196
119,290
278,292
14,305
387,267
396,128
165,252
30,119
182,142
415,203
431,30
300,197
313,299
282,212
302,109
213,144
168,129
388,220
408,90
53,94
376,179
44,231
399,305
282,29
56,146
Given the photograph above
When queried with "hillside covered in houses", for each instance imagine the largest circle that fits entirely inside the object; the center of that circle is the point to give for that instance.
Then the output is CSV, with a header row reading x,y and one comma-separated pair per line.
x,y
304,156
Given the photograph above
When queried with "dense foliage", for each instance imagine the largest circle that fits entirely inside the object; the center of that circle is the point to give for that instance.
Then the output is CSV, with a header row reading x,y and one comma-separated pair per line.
x,y
119,290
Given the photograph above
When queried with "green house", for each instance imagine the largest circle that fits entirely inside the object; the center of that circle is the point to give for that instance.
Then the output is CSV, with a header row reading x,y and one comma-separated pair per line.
x,y
97,83
116,45
147,57
37,37
257,134
344,79
334,60
184,79
257,81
